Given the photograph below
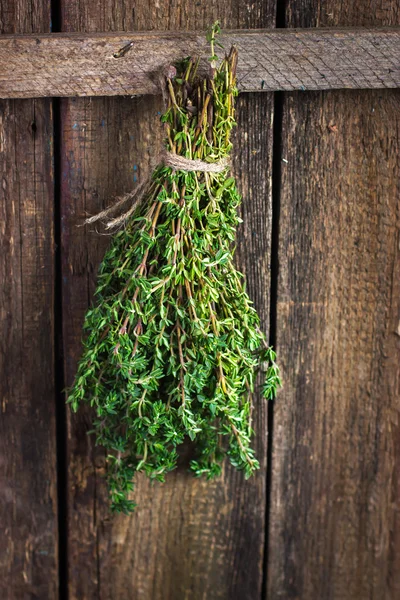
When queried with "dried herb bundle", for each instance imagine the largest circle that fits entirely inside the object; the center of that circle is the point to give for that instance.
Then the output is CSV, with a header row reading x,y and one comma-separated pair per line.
x,y
173,343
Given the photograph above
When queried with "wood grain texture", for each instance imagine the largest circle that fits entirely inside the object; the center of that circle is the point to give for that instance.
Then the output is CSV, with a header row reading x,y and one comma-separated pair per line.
x,y
28,520
86,65
189,538
334,520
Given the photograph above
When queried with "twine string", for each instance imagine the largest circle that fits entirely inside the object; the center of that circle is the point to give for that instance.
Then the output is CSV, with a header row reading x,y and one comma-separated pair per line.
x,y
180,163
169,159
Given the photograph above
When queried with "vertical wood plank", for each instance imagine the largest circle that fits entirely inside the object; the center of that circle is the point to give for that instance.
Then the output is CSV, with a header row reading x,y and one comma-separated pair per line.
x,y
28,521
334,521
189,538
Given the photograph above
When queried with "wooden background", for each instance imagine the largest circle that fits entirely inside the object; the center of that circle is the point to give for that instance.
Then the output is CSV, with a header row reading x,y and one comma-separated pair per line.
x,y
319,173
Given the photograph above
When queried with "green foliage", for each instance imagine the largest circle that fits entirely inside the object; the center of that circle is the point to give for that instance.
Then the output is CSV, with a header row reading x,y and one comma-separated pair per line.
x,y
173,344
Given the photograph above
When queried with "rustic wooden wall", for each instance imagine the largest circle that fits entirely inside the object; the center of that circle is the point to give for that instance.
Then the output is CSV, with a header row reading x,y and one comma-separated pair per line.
x,y
319,173
28,488
334,528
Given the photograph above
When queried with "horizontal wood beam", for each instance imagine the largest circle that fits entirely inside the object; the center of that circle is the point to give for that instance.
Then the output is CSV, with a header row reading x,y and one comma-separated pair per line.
x,y
114,64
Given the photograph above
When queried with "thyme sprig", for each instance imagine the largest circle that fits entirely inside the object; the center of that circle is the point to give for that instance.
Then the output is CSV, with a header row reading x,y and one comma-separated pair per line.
x,y
173,344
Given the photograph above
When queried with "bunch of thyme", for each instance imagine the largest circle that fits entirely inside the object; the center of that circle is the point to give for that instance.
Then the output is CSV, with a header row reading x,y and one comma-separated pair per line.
x,y
173,342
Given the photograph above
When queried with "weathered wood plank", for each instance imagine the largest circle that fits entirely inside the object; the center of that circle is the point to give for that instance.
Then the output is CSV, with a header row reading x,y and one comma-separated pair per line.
x,y
334,522
189,538
86,65
28,522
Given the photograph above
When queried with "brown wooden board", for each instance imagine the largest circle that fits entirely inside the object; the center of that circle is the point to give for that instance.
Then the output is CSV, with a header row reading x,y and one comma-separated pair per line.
x,y
189,538
28,521
119,64
334,516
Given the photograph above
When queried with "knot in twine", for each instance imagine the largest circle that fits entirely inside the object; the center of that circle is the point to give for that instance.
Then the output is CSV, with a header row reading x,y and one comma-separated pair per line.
x,y
180,163
169,159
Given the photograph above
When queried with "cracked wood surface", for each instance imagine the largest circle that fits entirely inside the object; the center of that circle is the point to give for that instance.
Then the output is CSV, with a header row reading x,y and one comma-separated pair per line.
x,y
28,488
86,65
334,512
